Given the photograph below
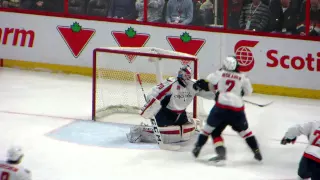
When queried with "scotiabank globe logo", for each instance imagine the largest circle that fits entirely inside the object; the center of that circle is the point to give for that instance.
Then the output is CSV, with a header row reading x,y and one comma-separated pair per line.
x,y
244,54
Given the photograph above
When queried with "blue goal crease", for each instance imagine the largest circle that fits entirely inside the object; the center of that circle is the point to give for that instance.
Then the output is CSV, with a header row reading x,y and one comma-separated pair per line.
x,y
109,135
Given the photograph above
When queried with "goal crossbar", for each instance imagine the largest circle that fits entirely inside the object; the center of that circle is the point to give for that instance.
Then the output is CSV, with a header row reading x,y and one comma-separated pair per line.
x,y
146,51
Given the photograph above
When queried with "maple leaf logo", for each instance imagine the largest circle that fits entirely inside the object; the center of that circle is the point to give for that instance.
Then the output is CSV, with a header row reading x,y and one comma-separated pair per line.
x,y
76,37
186,44
130,38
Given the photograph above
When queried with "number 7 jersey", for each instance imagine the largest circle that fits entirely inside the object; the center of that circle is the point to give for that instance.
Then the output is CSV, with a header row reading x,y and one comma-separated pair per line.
x,y
312,131
231,87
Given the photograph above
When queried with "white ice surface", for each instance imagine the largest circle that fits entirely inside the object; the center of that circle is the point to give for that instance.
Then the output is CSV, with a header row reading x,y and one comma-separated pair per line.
x,y
36,103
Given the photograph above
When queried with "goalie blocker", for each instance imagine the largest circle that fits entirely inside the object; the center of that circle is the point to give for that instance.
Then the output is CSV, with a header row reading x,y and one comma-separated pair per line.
x,y
167,103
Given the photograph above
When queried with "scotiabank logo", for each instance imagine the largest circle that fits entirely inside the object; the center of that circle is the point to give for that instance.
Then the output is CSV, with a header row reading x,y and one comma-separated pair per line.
x,y
294,62
244,54
17,37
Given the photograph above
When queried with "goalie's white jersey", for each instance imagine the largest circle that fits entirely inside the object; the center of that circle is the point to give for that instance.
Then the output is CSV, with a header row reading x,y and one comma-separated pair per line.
x,y
231,86
181,96
312,131
13,172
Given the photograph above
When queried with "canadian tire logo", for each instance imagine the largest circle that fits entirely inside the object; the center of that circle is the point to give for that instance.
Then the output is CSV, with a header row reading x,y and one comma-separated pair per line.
x,y
130,38
76,37
244,55
186,44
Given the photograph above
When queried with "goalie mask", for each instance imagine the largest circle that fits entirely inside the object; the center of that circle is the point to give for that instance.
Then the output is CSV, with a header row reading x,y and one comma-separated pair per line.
x,y
184,75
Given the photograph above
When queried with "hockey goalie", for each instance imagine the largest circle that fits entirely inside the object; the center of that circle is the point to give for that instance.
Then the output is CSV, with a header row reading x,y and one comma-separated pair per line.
x,y
167,103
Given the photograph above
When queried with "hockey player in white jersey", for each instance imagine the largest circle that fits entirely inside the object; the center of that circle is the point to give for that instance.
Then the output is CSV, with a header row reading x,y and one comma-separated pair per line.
x,y
167,103
230,86
309,166
10,169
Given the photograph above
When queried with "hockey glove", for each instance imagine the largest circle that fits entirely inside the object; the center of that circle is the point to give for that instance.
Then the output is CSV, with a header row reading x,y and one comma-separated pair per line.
x,y
285,141
201,84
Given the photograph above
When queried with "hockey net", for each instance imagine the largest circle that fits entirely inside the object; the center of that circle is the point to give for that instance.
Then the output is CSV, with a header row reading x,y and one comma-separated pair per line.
x,y
115,85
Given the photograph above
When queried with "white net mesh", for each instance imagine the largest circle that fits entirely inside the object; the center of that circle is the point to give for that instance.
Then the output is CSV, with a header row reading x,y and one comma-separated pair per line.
x,y
116,87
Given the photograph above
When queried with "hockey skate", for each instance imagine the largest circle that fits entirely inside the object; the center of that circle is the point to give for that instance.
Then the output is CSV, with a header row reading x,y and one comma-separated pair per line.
x,y
257,155
218,160
196,151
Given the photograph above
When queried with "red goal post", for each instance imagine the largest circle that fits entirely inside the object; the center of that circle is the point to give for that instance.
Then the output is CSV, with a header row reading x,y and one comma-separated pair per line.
x,y
102,71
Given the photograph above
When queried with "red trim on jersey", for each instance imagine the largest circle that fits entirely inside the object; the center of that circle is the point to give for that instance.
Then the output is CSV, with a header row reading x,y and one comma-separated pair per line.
x,y
217,139
177,111
188,130
167,132
160,95
164,92
149,104
247,135
237,109
7,167
309,156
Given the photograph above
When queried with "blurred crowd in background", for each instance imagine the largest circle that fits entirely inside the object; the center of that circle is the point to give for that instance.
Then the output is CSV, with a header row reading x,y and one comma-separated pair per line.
x,y
274,16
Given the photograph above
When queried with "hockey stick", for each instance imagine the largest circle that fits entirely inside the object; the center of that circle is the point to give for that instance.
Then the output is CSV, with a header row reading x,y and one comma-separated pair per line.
x,y
256,104
155,126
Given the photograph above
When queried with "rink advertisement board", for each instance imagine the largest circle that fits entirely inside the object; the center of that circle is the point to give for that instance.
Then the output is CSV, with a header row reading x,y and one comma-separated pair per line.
x,y
51,41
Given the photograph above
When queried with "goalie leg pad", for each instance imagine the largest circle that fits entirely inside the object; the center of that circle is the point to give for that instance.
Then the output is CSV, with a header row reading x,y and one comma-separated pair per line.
x,y
197,122
188,130
170,134
151,109
134,136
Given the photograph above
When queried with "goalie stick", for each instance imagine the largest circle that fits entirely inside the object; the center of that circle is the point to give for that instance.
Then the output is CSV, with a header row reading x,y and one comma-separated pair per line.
x,y
155,126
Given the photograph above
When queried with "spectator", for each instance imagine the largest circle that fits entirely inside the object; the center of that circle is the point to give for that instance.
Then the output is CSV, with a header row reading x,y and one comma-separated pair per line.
x,y
255,16
284,17
155,10
42,5
123,9
77,7
296,4
206,11
234,11
58,5
11,3
98,8
179,12
314,18
197,20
